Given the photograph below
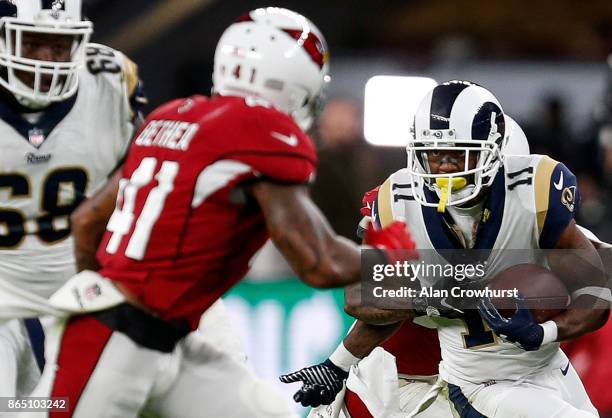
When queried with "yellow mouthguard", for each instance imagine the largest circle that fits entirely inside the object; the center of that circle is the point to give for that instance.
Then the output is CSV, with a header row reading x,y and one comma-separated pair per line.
x,y
458,184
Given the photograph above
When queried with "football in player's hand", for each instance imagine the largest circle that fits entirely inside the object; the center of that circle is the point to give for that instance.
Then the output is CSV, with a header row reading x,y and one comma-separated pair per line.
x,y
545,294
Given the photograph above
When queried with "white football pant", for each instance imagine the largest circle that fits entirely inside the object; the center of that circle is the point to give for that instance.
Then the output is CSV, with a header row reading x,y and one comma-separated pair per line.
x,y
106,374
20,372
555,393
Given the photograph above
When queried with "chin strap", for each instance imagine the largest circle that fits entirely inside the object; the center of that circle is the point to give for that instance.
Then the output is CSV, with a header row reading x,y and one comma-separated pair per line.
x,y
30,103
458,183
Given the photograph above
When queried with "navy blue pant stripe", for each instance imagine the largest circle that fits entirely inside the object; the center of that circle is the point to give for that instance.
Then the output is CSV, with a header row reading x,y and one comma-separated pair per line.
x,y
461,403
37,340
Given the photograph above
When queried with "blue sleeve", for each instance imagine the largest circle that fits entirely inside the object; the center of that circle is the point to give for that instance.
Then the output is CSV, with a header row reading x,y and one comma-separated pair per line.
x,y
138,100
563,203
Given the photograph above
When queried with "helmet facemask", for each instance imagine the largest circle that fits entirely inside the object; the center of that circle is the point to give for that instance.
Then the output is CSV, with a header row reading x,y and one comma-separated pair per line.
x,y
473,179
36,83
311,108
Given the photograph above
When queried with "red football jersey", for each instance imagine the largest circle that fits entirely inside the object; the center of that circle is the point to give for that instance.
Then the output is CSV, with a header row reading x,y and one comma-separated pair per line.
x,y
182,232
590,356
416,350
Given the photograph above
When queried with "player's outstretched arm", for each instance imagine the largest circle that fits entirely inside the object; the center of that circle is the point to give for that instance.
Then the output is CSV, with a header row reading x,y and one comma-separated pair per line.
x,y
302,234
585,278
322,382
352,293
364,337
88,223
317,254
370,314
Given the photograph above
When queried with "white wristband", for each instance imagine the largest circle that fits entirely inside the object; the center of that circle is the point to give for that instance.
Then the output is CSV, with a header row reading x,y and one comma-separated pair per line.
x,y
596,291
550,332
343,358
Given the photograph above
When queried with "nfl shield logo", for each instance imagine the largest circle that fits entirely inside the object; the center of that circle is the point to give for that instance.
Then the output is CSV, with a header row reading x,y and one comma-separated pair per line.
x,y
93,291
36,137
58,5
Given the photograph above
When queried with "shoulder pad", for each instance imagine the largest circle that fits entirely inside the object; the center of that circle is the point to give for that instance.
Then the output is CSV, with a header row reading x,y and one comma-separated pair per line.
x,y
556,198
102,60
519,173
271,143
392,195
513,163
119,70
382,213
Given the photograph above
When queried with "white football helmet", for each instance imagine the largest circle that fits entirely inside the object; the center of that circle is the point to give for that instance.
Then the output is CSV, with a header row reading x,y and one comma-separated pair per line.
x,y
276,55
457,116
54,17
517,143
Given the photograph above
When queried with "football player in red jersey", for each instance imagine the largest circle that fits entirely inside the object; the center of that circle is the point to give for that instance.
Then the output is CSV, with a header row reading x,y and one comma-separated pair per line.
x,y
206,182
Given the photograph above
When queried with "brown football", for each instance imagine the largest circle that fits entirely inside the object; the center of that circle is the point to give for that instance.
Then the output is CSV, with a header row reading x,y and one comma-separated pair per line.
x,y
544,292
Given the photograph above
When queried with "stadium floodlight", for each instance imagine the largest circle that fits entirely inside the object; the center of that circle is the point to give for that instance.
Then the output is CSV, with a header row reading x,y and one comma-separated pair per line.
x,y
390,104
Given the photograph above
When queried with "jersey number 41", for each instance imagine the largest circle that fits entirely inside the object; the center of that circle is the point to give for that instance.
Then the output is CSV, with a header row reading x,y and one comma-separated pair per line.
x,y
123,217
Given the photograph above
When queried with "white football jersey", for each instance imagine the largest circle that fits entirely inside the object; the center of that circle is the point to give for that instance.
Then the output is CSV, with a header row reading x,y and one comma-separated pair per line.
x,y
531,201
51,161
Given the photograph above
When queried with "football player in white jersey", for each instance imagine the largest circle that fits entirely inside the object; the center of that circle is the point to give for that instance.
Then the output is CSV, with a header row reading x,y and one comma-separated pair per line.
x,y
498,202
67,112
414,375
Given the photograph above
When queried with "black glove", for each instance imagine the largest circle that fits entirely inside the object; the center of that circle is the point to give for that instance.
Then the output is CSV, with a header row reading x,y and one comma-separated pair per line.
x,y
321,383
520,329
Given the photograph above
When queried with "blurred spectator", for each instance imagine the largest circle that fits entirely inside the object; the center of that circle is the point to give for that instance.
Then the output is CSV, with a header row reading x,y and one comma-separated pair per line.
x,y
548,132
552,134
603,118
603,226
454,49
605,142
339,124
348,167
603,31
593,210
337,188
603,122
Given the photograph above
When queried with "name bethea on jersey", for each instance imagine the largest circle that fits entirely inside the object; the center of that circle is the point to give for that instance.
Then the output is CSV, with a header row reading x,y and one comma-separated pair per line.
x,y
172,134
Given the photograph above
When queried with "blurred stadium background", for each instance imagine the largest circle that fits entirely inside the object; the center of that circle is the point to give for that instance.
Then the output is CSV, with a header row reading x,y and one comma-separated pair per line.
x,y
545,60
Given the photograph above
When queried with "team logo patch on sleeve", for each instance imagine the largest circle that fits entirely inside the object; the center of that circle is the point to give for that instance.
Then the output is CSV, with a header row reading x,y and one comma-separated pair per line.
x,y
568,198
